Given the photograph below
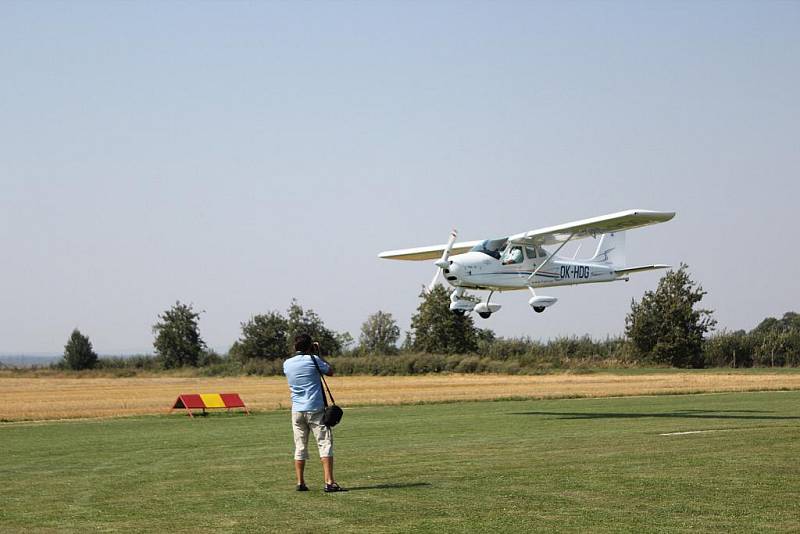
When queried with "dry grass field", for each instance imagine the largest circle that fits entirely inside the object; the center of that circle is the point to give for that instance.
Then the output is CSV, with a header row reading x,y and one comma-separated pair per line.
x,y
43,398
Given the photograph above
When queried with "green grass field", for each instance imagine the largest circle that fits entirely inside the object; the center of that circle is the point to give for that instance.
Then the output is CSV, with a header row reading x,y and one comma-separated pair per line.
x,y
565,465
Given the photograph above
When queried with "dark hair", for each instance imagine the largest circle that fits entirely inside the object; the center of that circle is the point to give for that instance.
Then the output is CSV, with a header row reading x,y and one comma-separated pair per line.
x,y
302,343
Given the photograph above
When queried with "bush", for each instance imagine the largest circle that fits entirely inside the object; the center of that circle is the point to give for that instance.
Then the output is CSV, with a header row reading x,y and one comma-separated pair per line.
x,y
435,329
263,337
224,367
729,349
208,358
178,342
263,367
138,362
665,326
78,352
379,334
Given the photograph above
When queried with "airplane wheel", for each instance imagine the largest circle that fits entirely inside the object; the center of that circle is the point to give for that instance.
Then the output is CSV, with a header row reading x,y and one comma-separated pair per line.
x,y
538,309
485,315
459,312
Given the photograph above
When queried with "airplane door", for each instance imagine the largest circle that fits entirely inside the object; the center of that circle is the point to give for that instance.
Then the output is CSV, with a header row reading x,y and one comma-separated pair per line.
x,y
533,259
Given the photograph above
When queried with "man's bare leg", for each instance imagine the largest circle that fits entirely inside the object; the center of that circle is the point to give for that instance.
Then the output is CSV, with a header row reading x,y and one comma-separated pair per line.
x,y
327,469
299,467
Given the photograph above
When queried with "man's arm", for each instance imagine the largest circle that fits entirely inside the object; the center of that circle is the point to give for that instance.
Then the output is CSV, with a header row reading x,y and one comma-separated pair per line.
x,y
325,367
329,372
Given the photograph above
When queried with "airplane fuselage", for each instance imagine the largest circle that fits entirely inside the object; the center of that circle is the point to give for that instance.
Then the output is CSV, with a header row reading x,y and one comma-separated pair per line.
x,y
476,270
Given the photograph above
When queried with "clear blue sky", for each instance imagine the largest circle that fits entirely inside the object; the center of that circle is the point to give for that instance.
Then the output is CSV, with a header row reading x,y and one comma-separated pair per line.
x,y
235,155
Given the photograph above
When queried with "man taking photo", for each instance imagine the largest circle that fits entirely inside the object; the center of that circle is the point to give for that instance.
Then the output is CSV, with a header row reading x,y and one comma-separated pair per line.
x,y
305,385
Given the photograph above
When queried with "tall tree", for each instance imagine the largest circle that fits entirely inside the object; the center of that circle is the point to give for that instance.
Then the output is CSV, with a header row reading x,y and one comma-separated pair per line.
x,y
665,326
379,334
734,349
263,337
435,329
790,322
178,340
345,341
777,341
300,320
78,352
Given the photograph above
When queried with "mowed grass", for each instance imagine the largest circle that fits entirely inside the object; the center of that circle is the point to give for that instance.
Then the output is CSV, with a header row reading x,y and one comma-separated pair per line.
x,y
574,465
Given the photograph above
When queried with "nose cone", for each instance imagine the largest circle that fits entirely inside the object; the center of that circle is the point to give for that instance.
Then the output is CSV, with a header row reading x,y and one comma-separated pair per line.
x,y
454,271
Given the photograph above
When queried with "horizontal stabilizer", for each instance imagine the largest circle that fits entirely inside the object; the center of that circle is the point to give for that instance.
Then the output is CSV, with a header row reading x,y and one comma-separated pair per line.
x,y
641,268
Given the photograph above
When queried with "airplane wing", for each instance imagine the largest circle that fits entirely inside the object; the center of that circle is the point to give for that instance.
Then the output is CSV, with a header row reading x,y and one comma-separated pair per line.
x,y
433,252
614,222
604,224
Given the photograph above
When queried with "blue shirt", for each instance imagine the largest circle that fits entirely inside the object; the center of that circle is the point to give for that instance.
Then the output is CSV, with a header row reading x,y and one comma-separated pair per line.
x,y
305,383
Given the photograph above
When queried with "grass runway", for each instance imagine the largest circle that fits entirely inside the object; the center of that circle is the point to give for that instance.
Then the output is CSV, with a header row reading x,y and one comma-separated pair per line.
x,y
570,465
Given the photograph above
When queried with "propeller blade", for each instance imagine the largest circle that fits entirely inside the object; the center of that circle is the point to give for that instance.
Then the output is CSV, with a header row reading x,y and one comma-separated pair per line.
x,y
449,246
435,279
443,261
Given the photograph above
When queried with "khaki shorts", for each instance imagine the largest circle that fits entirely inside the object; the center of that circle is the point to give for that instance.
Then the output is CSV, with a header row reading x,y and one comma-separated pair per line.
x,y
302,422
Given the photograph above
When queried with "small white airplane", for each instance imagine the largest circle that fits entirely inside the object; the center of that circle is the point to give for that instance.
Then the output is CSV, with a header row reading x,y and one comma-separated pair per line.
x,y
519,261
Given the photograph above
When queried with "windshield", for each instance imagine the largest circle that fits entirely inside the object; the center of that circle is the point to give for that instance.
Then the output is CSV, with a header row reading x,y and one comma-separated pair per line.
x,y
492,247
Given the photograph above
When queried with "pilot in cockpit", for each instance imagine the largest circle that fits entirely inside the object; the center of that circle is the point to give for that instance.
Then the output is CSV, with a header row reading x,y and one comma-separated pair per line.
x,y
512,255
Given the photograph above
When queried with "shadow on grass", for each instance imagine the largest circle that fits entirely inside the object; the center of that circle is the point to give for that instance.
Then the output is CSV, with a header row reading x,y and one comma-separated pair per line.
x,y
681,414
390,486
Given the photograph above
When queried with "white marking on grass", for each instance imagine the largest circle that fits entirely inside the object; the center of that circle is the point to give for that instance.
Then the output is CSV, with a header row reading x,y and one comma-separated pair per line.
x,y
700,431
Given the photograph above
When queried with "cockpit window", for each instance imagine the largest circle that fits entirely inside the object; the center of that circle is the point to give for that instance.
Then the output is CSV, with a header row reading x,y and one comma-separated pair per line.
x,y
512,255
492,247
535,252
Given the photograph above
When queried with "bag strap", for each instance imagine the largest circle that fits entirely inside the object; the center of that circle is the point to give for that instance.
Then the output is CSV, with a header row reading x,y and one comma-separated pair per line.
x,y
322,378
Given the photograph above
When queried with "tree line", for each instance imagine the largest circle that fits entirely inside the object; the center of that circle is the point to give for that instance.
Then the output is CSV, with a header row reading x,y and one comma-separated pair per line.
x,y
666,327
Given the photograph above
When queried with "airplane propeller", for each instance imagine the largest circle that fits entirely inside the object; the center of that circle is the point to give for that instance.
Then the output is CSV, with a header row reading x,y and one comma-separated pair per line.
x,y
442,263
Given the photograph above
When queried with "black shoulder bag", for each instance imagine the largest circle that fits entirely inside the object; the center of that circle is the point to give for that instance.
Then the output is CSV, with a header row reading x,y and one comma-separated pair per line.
x,y
333,414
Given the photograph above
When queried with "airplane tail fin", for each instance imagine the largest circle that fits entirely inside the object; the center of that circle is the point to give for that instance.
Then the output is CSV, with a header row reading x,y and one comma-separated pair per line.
x,y
611,249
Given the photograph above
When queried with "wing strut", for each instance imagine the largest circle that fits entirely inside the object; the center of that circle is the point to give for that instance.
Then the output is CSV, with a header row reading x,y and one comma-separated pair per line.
x,y
548,258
